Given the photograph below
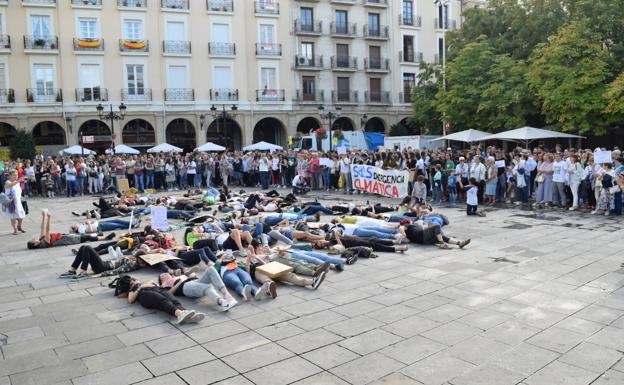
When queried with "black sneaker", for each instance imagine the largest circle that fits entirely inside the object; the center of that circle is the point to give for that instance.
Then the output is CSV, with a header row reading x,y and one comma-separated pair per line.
x,y
339,267
316,282
110,236
74,251
463,243
68,274
351,259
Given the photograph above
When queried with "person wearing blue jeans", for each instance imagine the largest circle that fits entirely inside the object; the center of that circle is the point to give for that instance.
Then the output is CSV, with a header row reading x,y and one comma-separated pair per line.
x,y
257,231
180,214
316,257
138,181
114,224
325,175
314,208
195,256
273,220
240,281
377,232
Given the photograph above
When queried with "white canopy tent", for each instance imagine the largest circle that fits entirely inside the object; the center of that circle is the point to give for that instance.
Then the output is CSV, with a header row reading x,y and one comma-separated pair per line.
x,y
124,149
164,147
262,146
528,134
76,150
210,147
467,136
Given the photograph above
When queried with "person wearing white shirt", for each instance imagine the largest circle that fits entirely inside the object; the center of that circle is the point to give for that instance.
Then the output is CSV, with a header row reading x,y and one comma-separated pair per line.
x,y
559,180
478,171
575,172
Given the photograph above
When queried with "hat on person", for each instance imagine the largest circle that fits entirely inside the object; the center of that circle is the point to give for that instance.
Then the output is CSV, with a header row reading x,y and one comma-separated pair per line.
x,y
462,158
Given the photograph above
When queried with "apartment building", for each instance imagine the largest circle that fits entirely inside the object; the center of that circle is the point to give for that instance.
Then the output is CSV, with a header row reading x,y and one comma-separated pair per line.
x,y
227,71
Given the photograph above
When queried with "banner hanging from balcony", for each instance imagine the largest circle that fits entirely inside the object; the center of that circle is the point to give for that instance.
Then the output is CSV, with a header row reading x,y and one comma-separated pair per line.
x,y
134,44
388,183
89,43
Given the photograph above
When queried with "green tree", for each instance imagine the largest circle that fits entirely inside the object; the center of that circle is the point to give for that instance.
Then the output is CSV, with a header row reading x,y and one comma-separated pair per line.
x,y
615,100
22,146
426,119
568,74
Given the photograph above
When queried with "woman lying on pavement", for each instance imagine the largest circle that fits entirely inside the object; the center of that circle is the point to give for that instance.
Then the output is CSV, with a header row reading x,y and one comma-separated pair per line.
x,y
339,242
87,256
362,231
431,234
312,257
187,256
209,284
92,227
151,296
273,220
236,278
47,239
295,235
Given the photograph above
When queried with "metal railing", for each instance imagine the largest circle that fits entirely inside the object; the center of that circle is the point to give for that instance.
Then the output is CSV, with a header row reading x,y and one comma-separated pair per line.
x,y
267,7
377,64
174,4
179,94
179,47
445,23
88,44
38,1
127,45
410,57
220,5
377,97
7,95
44,43
376,32
405,96
87,3
343,97
411,20
224,94
270,95
132,3
309,62
344,63
5,42
316,97
313,28
44,95
343,29
222,49
91,94
375,2
136,94
269,49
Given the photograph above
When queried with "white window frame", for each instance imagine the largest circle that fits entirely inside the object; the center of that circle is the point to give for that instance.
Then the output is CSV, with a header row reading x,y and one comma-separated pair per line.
x,y
50,23
93,34
140,30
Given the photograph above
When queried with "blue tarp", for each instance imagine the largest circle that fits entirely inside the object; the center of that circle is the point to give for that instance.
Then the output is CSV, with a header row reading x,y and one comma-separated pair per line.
x,y
374,140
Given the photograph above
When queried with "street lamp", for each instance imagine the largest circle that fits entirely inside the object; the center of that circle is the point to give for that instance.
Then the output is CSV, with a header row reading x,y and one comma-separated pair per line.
x,y
202,121
331,116
363,121
223,115
112,116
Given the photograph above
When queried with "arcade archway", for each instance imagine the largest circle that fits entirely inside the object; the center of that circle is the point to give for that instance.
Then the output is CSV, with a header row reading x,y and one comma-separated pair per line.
x,y
181,133
226,133
102,138
269,130
138,132
375,125
49,133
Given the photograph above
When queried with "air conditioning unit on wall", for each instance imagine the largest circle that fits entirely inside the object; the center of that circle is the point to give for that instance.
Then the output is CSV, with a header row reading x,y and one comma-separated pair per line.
x,y
303,61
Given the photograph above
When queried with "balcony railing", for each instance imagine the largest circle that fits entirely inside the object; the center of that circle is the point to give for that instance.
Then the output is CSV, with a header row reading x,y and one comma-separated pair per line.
x,y
38,2
268,49
410,20
179,94
344,97
5,42
132,3
177,47
306,97
346,2
88,44
87,3
377,97
344,63
376,32
220,5
222,49
405,96
379,3
305,62
224,94
136,94
43,43
267,7
270,95
92,94
376,65
445,24
175,4
44,95
313,28
410,57
343,29
7,95
126,45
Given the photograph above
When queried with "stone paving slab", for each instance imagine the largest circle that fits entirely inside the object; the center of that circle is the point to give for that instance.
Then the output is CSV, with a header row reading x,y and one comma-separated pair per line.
x,y
511,308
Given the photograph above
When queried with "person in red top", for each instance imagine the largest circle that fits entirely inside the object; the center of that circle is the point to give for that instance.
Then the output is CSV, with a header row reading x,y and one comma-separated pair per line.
x,y
47,239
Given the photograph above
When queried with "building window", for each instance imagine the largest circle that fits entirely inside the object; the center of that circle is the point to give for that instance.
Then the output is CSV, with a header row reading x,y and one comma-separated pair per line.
x,y
308,85
373,24
307,50
40,25
266,34
342,22
408,12
408,48
87,28
307,19
375,90
43,79
409,81
268,78
135,79
176,31
443,16
342,84
133,30
441,49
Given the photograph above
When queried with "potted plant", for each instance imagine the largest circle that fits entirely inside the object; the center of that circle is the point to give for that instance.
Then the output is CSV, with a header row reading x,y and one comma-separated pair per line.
x,y
39,42
59,96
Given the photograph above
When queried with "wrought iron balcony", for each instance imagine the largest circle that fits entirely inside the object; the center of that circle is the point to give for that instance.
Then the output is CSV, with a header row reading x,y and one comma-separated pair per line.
x,y
344,63
317,97
445,24
376,32
410,57
270,95
224,94
175,4
44,95
344,2
136,94
132,3
308,63
410,20
177,47
38,2
344,97
222,49
5,42
378,65
268,49
305,28
220,5
405,96
42,43
375,3
7,95
343,29
87,3
127,45
179,94
91,94
267,7
88,44
377,97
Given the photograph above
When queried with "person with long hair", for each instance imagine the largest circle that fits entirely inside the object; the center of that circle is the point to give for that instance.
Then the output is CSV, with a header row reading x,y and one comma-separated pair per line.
x,y
14,209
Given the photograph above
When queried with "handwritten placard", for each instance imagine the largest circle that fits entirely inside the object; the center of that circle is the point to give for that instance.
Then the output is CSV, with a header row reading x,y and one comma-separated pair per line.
x,y
159,218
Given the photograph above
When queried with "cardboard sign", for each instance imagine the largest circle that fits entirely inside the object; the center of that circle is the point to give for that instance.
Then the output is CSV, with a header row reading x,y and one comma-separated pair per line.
x,y
601,157
153,259
388,183
500,163
122,185
159,218
274,269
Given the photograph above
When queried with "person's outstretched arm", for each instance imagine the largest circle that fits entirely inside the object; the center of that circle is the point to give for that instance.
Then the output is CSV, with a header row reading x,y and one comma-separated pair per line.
x,y
46,234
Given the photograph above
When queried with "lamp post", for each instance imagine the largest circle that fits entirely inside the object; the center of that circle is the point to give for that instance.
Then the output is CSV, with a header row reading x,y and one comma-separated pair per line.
x,y
331,116
363,121
112,116
223,115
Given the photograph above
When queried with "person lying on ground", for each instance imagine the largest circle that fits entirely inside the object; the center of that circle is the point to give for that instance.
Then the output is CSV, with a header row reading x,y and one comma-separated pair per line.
x,y
312,257
236,278
47,239
431,234
209,284
94,227
290,232
87,256
381,232
273,220
339,242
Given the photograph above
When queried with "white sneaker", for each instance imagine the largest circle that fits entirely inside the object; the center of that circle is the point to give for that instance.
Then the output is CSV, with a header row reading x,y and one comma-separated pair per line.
x,y
185,316
247,293
112,252
262,291
118,252
228,303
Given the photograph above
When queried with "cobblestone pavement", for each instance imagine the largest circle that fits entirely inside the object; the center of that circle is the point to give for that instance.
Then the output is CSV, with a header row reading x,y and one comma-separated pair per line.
x,y
533,300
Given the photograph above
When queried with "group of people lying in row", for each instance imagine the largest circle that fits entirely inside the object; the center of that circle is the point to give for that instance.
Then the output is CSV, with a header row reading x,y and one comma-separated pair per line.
x,y
219,255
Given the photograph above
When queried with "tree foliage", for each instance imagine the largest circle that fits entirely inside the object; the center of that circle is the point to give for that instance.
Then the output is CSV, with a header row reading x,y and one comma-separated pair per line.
x,y
426,117
615,100
22,146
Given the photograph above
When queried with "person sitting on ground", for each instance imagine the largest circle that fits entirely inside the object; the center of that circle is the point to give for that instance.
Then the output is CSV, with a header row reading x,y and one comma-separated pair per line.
x,y
47,239
299,185
209,284
431,234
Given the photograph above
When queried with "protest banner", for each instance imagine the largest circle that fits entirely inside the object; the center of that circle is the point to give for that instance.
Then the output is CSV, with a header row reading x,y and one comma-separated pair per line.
x,y
500,163
601,157
326,162
152,259
388,183
159,218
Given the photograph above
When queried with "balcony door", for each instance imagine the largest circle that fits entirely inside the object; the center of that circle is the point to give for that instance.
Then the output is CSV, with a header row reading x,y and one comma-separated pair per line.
x,y
374,55
342,22
135,79
308,86
375,90
43,82
222,83
267,34
268,82
408,48
306,56
176,31
409,80
342,55
87,28
90,82
220,33
40,26
373,24
343,87
177,77
133,30
307,19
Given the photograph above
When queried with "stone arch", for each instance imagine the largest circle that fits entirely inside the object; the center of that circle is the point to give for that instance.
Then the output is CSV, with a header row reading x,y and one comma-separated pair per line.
x,y
49,133
138,132
7,134
181,133
226,133
308,124
343,123
102,138
375,124
270,130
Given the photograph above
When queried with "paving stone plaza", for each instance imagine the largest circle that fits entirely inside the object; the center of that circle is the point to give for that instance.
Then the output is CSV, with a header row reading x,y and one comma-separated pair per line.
x,y
535,299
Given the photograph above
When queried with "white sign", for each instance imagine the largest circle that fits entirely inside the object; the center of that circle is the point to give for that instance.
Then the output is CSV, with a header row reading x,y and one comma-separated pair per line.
x,y
388,183
342,150
500,163
159,218
326,162
602,157
88,139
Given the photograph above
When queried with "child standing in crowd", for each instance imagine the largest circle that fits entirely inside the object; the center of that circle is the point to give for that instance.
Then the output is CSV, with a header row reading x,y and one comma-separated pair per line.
x,y
452,187
437,184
